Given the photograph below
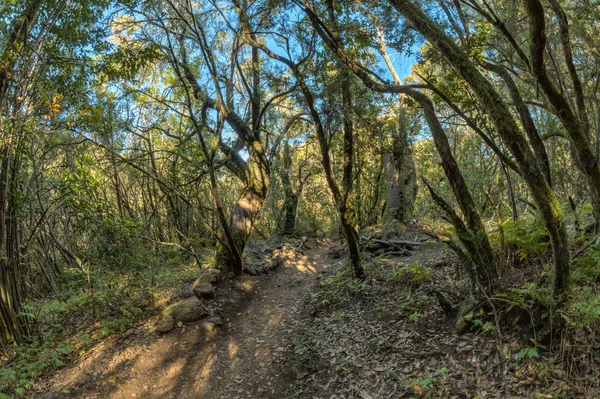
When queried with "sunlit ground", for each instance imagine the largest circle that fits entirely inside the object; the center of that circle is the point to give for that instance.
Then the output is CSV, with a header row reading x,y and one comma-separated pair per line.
x,y
238,359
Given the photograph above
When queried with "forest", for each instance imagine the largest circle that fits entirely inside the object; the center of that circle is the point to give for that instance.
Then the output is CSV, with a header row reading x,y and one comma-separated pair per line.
x,y
299,199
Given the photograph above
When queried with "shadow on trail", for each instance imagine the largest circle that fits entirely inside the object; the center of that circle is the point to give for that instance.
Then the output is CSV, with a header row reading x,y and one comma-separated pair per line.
x,y
242,358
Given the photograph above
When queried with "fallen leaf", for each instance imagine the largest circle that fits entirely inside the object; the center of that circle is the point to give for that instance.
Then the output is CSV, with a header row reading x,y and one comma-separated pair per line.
x,y
365,395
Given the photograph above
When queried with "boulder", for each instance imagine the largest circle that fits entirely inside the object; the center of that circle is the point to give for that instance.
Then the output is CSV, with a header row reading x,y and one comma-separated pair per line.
x,y
216,320
209,327
203,289
165,324
82,379
211,324
190,309
210,276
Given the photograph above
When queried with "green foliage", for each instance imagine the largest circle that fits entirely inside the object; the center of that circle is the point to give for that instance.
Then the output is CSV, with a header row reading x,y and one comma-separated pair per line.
x,y
415,317
125,62
30,362
121,301
585,268
340,286
425,384
527,353
479,41
301,350
413,272
527,236
582,308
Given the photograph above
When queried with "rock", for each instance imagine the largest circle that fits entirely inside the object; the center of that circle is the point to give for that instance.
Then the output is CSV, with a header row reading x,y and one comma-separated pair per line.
x,y
82,379
216,320
190,309
209,327
273,263
203,289
464,308
165,324
260,270
212,323
211,276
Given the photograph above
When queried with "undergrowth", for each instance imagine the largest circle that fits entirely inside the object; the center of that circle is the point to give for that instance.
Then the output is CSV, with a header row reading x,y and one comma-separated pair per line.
x,y
86,311
340,286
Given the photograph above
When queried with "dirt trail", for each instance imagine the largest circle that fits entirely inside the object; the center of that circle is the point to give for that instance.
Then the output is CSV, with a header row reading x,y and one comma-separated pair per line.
x,y
244,358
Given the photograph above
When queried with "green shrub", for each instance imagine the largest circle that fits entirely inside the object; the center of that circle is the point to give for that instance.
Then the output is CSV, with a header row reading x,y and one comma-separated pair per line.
x,y
412,272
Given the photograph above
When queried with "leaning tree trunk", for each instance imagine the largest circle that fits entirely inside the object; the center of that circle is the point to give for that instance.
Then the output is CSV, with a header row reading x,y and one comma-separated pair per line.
x,y
477,242
500,114
244,214
576,127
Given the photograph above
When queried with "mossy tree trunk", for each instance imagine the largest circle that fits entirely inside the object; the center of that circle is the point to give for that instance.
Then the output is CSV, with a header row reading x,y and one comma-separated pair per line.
x,y
499,112
477,241
575,124
242,219
401,177
14,328
290,203
254,173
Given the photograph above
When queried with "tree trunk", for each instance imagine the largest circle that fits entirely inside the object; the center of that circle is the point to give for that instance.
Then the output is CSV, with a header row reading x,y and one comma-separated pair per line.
x,y
290,204
374,208
15,328
481,254
245,212
350,228
499,113
401,176
400,181
353,241
576,128
410,183
395,210
290,207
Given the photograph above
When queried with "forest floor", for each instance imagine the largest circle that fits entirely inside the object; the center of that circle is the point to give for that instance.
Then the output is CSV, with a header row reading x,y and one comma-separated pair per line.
x,y
307,330
246,357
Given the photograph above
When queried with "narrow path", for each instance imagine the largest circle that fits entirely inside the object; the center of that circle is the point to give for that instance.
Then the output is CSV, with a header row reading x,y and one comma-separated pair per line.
x,y
245,358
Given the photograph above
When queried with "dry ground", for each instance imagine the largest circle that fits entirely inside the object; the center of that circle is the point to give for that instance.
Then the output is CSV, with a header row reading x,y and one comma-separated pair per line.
x,y
308,331
245,358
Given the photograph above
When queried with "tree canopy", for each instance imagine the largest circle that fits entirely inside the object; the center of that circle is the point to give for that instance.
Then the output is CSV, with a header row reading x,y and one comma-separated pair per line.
x,y
133,132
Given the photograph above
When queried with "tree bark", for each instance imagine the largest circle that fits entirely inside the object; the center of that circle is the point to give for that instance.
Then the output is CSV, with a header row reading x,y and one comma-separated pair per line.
x,y
14,328
481,250
241,222
401,177
500,115
576,128
290,204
